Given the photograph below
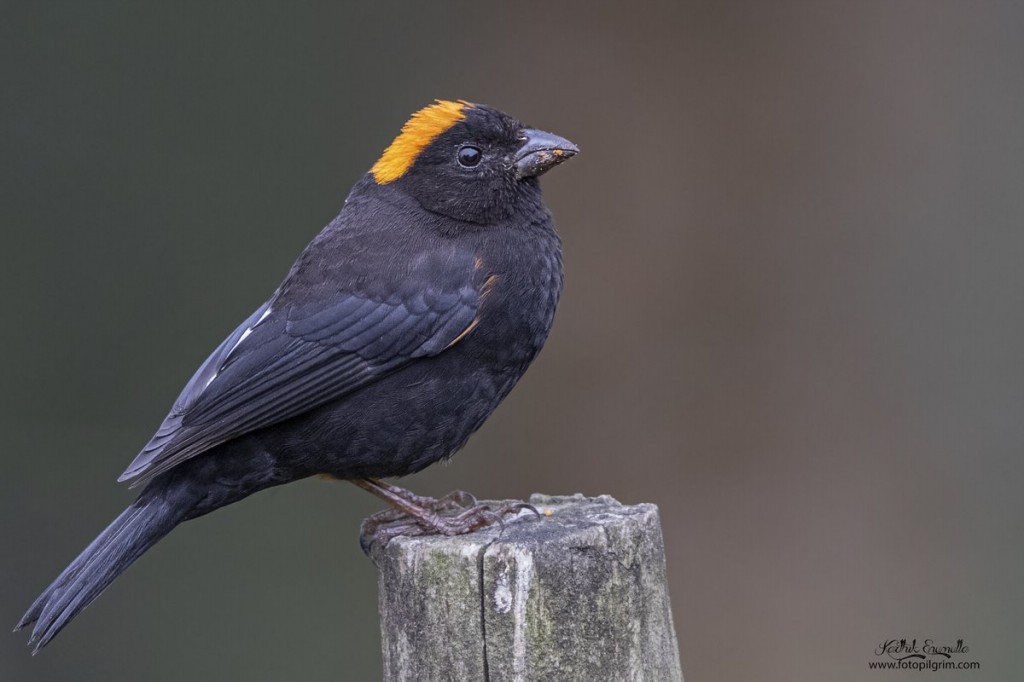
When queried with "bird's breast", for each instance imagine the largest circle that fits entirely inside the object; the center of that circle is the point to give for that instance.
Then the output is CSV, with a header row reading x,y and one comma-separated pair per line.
x,y
517,308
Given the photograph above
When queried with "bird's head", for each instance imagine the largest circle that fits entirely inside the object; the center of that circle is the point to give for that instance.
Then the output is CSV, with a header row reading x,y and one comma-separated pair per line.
x,y
469,161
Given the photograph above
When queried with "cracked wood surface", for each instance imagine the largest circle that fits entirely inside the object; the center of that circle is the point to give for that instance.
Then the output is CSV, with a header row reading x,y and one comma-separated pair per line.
x,y
579,594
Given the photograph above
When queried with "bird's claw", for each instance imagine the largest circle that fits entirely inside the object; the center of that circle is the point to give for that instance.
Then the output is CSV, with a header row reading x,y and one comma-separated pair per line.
x,y
386,525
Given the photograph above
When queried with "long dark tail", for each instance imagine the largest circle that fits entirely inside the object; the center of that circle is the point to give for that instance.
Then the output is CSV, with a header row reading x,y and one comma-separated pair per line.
x,y
138,528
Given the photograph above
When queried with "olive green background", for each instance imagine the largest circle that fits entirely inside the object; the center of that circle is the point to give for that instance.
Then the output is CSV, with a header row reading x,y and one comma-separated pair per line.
x,y
793,316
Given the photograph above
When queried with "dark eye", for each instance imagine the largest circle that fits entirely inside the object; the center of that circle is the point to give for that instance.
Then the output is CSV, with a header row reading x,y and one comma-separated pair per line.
x,y
469,156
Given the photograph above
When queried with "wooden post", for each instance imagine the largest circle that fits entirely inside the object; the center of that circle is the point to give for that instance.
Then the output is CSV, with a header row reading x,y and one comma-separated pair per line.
x,y
579,594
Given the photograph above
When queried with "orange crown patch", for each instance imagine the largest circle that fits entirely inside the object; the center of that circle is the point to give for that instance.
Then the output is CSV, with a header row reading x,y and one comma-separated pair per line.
x,y
421,129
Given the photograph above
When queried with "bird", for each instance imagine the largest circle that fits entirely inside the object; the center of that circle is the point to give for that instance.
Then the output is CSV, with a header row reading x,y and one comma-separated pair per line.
x,y
395,334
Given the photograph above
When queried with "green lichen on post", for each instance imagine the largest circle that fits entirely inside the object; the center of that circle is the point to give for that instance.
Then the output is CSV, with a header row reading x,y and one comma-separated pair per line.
x,y
431,592
540,625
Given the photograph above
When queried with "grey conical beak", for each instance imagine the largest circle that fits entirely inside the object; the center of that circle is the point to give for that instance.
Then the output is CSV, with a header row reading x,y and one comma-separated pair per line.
x,y
540,152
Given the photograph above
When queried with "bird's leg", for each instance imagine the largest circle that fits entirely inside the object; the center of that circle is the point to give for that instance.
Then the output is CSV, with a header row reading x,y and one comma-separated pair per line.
x,y
405,503
416,515
457,499
410,514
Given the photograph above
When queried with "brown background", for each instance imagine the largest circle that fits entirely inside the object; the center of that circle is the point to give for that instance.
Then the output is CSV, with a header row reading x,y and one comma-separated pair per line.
x,y
793,315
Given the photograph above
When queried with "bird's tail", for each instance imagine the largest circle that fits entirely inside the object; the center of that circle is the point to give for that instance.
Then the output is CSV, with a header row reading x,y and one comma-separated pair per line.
x,y
138,528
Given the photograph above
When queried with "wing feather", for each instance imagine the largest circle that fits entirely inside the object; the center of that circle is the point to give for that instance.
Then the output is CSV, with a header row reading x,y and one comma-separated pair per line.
x,y
290,357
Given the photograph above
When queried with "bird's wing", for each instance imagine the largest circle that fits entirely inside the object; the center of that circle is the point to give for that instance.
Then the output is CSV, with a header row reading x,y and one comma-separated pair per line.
x,y
290,357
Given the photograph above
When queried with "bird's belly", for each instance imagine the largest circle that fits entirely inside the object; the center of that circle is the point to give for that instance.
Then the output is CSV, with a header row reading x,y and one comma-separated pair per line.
x,y
396,426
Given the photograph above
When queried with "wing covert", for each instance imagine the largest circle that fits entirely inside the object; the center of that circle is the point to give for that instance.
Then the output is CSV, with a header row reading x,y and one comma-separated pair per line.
x,y
289,357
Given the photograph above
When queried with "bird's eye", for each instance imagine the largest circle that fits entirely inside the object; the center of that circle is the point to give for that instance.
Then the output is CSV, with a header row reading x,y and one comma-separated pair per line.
x,y
469,156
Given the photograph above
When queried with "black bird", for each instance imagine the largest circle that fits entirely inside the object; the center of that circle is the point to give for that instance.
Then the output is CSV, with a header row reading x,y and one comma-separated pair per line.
x,y
394,336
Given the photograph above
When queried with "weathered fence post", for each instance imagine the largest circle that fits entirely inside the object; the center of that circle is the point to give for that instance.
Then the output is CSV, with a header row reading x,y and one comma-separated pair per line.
x,y
579,594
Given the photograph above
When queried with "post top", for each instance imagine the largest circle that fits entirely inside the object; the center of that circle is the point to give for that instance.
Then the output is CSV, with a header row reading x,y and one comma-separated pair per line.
x,y
573,520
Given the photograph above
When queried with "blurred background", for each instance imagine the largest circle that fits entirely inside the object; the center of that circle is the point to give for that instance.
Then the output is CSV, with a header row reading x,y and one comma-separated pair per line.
x,y
793,316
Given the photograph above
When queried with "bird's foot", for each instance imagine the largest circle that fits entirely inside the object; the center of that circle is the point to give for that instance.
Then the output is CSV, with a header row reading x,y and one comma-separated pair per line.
x,y
384,526
455,501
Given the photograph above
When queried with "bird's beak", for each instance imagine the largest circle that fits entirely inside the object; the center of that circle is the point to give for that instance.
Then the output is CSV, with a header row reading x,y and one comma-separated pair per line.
x,y
540,152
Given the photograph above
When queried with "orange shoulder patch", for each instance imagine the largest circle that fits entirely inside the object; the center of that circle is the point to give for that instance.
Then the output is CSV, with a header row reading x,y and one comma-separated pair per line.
x,y
421,129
